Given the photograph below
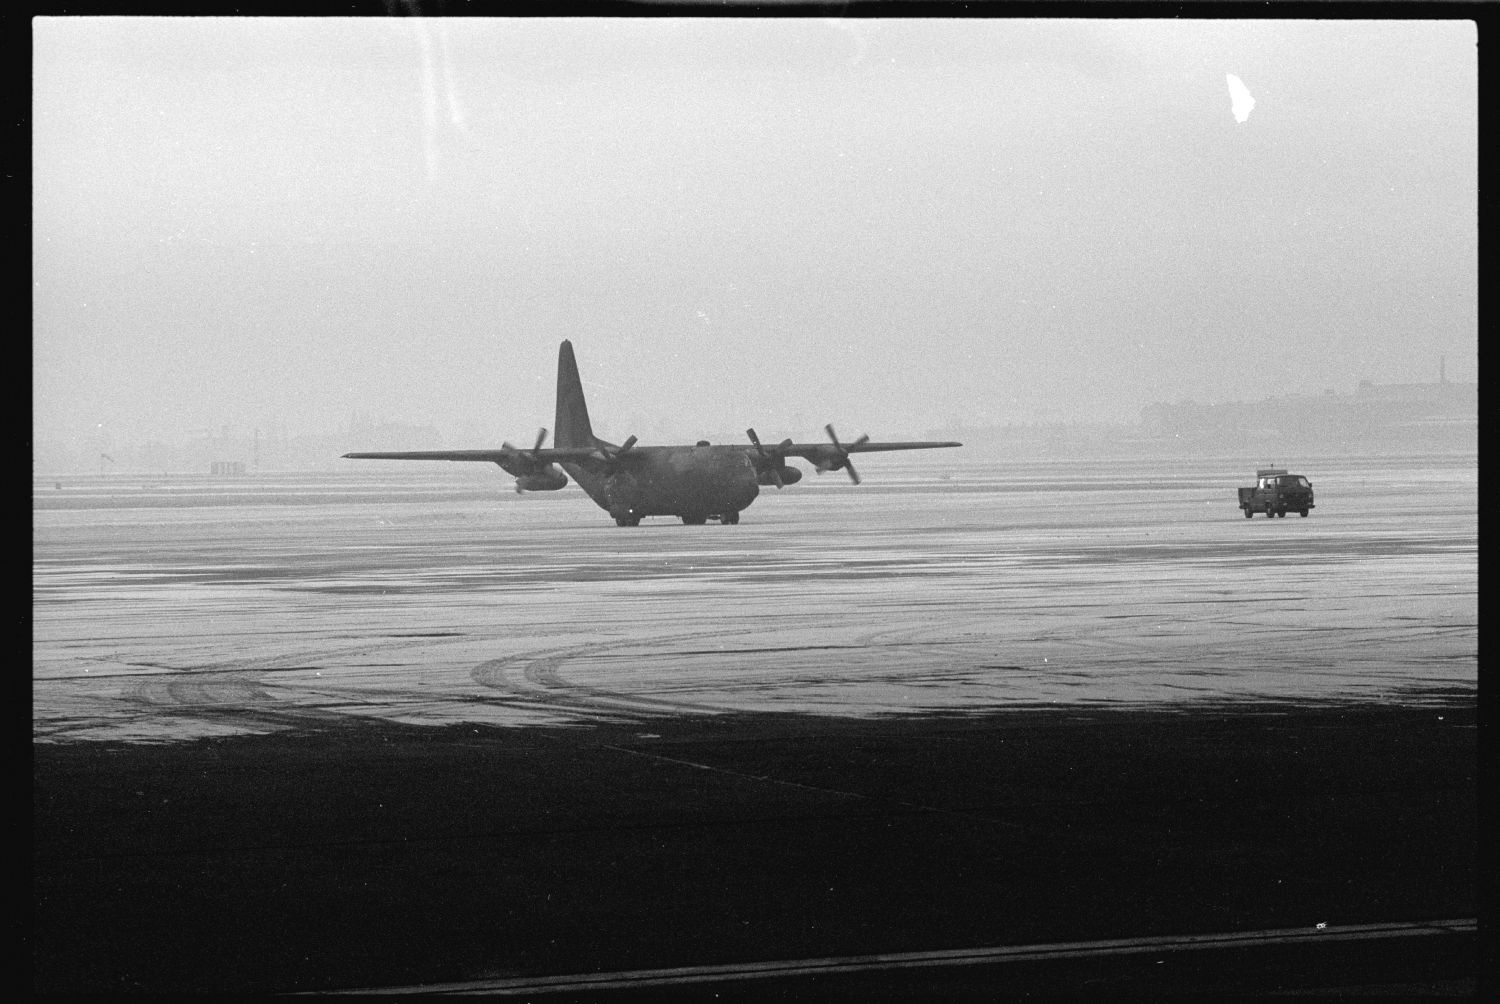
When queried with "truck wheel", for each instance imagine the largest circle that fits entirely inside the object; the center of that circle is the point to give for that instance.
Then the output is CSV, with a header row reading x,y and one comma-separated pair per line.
x,y
1303,513
1281,514
1249,512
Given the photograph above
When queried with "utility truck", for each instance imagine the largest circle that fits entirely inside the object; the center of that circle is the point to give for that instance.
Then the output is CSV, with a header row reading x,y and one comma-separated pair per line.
x,y
1277,492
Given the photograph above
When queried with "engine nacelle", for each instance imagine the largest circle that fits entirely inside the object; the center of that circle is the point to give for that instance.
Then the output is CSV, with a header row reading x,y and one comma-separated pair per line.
x,y
549,479
789,476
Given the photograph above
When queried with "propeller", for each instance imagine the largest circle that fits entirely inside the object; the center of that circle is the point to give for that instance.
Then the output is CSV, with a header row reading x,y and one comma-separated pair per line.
x,y
519,457
843,452
541,437
613,453
773,460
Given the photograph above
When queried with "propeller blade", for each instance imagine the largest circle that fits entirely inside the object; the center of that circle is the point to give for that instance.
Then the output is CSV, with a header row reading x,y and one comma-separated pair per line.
x,y
541,437
773,459
612,453
848,465
843,451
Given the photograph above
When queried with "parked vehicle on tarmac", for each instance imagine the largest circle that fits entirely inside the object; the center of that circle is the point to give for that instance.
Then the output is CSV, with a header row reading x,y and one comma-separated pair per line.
x,y
1277,492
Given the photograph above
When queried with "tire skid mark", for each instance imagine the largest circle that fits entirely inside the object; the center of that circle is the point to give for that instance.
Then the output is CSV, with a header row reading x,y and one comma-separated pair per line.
x,y
239,698
236,691
545,673
538,674
537,677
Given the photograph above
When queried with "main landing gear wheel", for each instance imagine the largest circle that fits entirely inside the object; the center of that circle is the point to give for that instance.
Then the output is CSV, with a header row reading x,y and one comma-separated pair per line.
x,y
627,521
729,518
695,520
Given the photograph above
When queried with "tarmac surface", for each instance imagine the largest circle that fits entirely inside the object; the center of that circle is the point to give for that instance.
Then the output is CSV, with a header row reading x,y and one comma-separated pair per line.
x,y
400,728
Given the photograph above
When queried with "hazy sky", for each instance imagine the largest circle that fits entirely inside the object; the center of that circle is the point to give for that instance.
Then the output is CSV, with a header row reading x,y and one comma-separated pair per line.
x,y
885,224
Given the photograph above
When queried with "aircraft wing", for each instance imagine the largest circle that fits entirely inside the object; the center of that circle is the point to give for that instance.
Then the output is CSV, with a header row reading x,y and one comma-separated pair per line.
x,y
830,456
827,451
546,456
814,452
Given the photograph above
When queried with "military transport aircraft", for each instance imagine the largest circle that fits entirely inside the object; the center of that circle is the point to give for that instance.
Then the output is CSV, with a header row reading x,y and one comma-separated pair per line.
x,y
696,483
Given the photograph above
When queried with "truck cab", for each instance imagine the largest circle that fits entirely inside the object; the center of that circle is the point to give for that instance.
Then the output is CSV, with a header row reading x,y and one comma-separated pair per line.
x,y
1277,492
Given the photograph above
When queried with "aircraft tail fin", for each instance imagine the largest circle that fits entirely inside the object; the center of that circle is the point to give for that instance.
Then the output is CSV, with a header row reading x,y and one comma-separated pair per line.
x,y
572,428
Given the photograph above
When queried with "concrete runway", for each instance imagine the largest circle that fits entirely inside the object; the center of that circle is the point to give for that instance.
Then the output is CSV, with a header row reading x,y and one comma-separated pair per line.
x,y
432,595
399,726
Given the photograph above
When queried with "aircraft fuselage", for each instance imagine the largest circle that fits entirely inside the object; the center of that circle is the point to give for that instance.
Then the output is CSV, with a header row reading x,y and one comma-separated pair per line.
x,y
696,483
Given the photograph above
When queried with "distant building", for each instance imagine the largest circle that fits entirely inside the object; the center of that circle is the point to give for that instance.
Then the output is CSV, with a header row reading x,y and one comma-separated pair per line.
x,y
1398,416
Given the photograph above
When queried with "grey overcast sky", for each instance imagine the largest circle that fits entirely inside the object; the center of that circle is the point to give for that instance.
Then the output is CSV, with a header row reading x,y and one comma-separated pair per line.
x,y
885,224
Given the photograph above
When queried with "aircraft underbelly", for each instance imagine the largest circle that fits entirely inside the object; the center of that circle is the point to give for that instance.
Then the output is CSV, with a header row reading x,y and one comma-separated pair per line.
x,y
697,482
678,499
